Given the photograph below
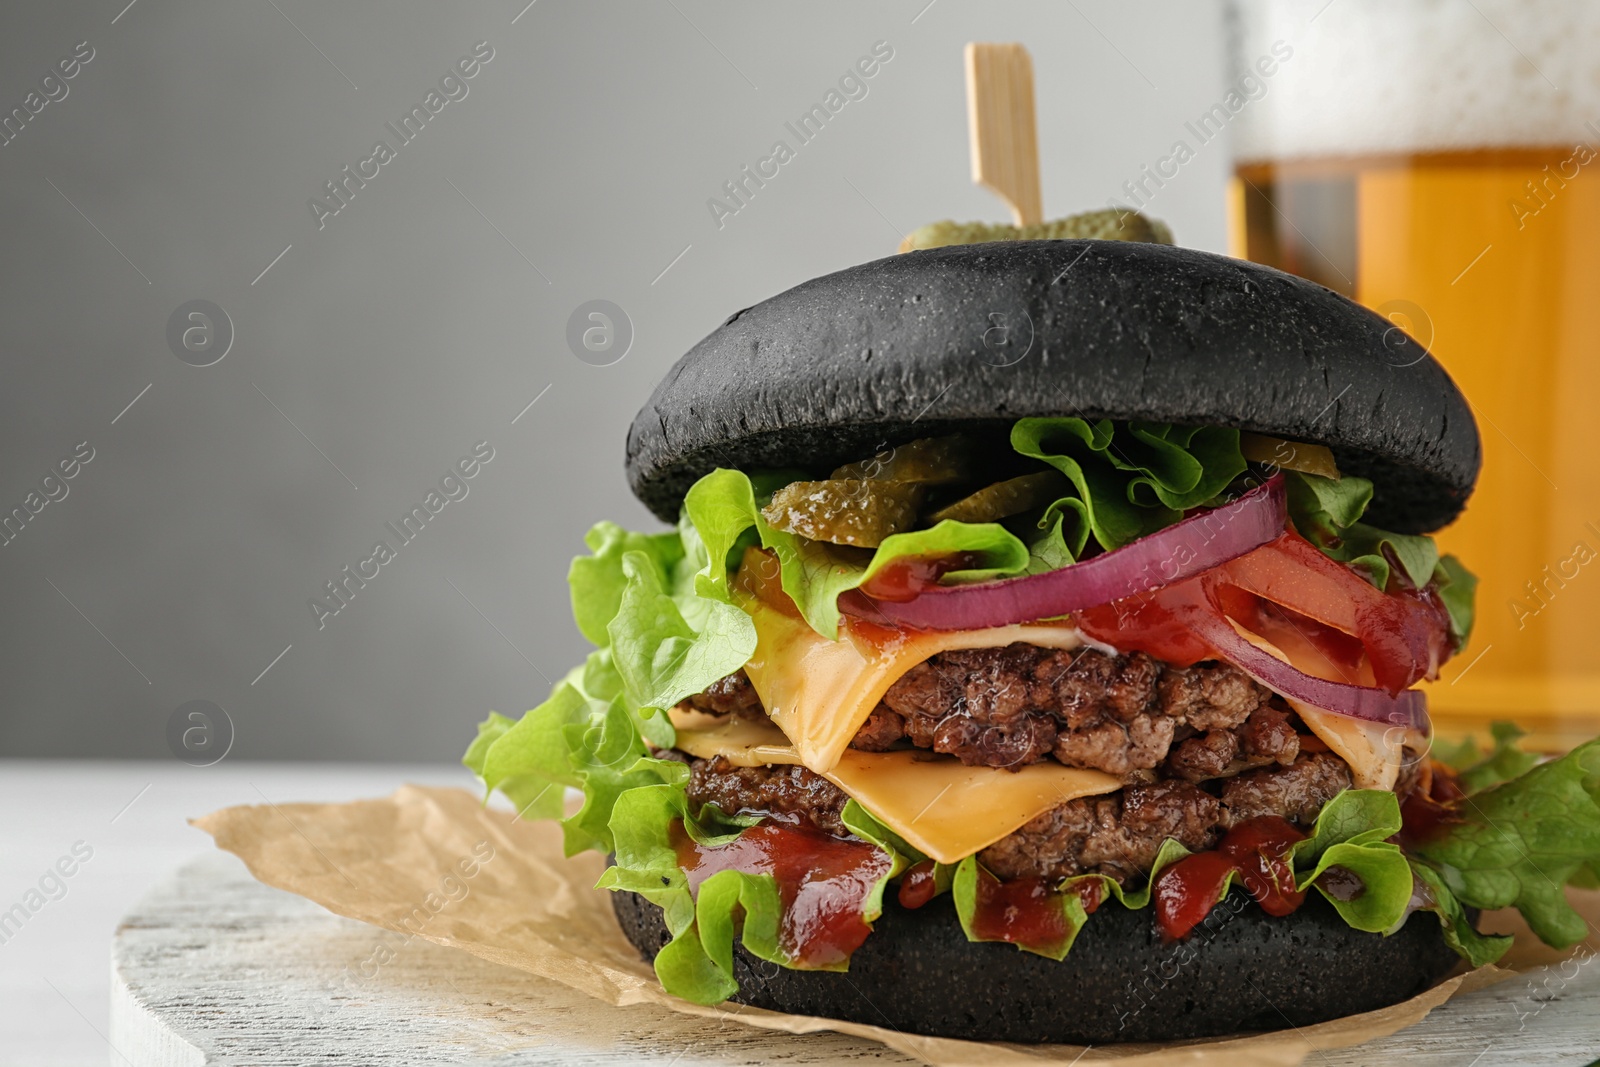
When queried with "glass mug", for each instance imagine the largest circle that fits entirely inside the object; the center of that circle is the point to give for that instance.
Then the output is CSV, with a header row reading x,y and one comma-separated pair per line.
x,y
1440,163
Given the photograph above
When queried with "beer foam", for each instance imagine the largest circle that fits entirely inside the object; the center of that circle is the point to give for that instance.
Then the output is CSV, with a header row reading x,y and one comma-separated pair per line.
x,y
1399,76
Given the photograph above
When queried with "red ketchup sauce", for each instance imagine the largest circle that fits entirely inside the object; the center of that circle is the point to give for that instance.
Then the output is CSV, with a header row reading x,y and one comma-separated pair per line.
x,y
1022,911
823,884
908,576
1256,850
917,886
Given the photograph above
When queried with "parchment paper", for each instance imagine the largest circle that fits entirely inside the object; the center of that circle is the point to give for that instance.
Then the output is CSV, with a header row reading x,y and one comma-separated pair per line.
x,y
437,864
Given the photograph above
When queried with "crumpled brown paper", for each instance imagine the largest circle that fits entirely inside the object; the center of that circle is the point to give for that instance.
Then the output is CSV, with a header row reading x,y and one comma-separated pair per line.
x,y
437,864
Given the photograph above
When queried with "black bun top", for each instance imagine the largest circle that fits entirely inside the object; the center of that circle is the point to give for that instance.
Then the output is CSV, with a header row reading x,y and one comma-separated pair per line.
x,y
972,337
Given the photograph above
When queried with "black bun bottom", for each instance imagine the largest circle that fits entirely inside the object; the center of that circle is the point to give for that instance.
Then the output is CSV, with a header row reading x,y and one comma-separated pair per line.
x,y
1242,970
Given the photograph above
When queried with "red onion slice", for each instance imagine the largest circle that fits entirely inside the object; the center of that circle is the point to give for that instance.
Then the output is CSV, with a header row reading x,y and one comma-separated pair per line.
x,y
1409,708
1182,550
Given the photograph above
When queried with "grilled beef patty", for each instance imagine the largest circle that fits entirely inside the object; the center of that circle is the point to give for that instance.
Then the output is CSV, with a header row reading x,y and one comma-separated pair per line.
x,y
1012,706
1117,834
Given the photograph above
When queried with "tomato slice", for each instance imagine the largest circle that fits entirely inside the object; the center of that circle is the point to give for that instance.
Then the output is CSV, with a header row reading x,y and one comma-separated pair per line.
x,y
1291,594
1406,635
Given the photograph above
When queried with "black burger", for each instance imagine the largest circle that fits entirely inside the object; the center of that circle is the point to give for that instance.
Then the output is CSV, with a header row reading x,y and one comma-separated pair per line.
x,y
1034,655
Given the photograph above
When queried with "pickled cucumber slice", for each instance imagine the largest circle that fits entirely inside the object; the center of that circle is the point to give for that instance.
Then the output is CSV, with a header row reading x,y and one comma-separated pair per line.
x,y
1107,224
845,511
925,461
1290,455
1010,497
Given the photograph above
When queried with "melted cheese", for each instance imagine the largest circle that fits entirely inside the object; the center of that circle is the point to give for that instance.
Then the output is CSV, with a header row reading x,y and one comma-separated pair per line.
x,y
739,741
938,805
949,810
820,692
1373,750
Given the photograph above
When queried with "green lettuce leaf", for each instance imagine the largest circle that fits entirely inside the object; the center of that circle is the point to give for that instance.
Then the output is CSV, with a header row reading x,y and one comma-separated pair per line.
x,y
1371,549
1169,853
596,581
865,825
1457,589
1321,507
1047,548
582,737
1354,817
660,657
1327,511
660,641
1386,884
535,796
1130,481
1505,761
1459,933
721,507
1519,843
1350,832
647,864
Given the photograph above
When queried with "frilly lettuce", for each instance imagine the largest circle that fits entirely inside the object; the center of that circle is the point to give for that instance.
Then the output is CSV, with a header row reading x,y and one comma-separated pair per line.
x,y
1132,479
1504,761
660,643
1520,842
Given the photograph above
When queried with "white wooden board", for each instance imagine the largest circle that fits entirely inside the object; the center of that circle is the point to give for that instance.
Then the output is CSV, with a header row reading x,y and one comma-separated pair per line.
x,y
215,968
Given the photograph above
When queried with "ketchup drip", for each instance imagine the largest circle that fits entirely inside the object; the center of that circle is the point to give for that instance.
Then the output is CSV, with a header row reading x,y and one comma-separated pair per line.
x,y
917,885
823,883
1257,850
1022,911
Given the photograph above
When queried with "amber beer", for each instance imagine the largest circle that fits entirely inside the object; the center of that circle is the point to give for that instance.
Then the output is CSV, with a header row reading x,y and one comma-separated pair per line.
x,y
1491,257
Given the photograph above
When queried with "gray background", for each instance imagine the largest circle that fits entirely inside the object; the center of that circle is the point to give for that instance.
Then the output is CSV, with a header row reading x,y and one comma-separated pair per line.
x,y
425,316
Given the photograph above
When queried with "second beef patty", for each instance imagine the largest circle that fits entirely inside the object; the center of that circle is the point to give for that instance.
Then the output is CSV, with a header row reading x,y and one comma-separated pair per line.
x,y
1012,706
1117,834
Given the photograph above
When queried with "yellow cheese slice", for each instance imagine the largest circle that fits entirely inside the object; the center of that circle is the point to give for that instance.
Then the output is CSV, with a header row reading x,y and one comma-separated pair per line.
x,y
945,809
820,692
949,810
741,742
1373,750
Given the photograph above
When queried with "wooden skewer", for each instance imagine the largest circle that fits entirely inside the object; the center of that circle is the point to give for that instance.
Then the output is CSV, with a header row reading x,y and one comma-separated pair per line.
x,y
1005,148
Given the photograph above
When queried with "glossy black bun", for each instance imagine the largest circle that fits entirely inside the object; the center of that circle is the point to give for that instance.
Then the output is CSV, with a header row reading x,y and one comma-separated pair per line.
x,y
1241,970
972,337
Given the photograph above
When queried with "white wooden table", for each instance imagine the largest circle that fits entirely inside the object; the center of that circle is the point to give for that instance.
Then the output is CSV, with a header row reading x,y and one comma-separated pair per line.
x,y
212,968
54,983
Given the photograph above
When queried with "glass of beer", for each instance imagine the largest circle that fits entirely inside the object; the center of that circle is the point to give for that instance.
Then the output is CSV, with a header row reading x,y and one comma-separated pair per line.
x,y
1440,163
